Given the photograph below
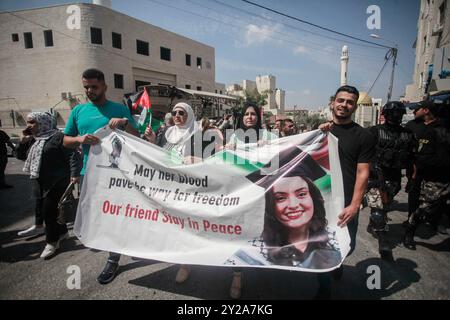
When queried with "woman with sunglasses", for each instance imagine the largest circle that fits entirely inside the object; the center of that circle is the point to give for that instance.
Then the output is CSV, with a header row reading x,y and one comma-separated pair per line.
x,y
51,167
180,139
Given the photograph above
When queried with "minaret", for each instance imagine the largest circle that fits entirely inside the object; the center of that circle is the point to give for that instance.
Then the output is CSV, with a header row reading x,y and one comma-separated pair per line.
x,y
344,65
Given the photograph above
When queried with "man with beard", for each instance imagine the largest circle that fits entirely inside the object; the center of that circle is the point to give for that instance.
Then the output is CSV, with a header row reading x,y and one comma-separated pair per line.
x,y
288,128
393,152
355,147
87,118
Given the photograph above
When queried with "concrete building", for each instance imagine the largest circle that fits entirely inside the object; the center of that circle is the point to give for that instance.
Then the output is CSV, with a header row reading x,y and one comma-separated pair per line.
x,y
432,65
44,52
263,85
220,88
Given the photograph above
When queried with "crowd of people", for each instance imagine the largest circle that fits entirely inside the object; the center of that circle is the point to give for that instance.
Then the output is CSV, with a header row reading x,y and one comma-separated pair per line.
x,y
371,161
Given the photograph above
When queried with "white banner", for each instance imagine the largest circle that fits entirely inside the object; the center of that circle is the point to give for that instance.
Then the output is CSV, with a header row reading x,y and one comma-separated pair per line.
x,y
270,206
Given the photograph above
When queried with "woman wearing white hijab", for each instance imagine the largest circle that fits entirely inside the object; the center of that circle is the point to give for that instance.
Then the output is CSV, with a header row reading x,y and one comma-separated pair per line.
x,y
50,166
179,139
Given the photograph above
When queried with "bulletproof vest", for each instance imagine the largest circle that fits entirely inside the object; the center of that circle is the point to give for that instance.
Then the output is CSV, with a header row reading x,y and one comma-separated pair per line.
x,y
393,149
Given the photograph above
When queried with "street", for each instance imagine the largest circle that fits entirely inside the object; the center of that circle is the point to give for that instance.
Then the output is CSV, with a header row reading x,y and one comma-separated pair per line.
x,y
421,274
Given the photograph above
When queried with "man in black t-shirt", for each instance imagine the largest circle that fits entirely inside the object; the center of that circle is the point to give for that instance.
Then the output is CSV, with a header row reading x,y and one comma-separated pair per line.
x,y
356,146
4,140
433,165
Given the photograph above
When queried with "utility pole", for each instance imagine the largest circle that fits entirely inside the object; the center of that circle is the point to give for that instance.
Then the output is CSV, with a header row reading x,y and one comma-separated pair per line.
x,y
393,52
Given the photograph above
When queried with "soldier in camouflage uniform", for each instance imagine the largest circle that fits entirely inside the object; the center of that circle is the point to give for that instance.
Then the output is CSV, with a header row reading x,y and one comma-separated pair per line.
x,y
393,152
433,164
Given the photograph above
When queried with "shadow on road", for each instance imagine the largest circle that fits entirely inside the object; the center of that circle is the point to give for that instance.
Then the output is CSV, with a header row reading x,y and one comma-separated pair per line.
x,y
17,249
213,282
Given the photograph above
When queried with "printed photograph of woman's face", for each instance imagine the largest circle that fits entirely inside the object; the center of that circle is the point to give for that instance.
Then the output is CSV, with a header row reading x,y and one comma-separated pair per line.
x,y
296,231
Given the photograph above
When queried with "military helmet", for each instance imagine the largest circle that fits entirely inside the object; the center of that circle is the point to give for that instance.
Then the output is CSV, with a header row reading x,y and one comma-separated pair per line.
x,y
392,107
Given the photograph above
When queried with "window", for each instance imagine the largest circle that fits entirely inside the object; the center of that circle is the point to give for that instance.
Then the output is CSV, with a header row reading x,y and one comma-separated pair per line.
x,y
118,81
96,36
188,86
220,91
15,37
441,17
117,40
208,65
424,44
199,62
165,54
188,59
48,38
216,90
139,83
28,38
199,88
142,47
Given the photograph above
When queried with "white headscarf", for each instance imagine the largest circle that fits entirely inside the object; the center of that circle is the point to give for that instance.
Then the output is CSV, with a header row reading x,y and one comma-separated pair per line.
x,y
47,128
179,134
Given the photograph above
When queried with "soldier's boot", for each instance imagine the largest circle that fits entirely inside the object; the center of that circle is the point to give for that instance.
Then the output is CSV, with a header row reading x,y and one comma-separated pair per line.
x,y
384,248
408,239
377,222
370,228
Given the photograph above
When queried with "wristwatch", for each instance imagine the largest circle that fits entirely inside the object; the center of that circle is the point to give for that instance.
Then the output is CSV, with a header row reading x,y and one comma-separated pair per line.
x,y
126,123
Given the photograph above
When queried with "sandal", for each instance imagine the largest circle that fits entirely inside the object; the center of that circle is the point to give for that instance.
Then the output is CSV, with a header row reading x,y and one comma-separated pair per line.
x,y
236,285
182,274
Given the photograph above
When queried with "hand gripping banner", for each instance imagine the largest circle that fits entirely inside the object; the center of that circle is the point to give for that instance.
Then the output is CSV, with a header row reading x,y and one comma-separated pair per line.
x,y
272,205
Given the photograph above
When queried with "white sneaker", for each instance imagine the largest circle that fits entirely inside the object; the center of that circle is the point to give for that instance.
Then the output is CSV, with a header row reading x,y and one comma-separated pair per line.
x,y
49,250
34,230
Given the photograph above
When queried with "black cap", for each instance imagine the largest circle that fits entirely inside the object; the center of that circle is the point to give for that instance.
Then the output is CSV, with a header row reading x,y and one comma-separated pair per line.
x,y
291,162
423,104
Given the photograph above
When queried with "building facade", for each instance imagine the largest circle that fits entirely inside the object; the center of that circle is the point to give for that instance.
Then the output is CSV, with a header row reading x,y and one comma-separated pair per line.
x,y
368,112
265,85
432,64
43,56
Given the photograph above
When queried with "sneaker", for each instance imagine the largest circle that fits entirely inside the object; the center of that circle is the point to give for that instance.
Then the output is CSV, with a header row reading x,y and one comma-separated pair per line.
x,y
109,272
182,274
236,286
49,250
34,230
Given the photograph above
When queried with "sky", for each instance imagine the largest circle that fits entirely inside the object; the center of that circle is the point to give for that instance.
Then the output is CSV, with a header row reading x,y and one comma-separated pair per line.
x,y
251,41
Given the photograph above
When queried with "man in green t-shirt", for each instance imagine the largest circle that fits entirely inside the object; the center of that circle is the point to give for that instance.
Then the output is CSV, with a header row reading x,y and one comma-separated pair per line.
x,y
87,118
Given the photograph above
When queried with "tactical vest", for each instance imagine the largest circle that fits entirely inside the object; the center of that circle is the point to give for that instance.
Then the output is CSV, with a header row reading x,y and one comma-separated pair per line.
x,y
393,149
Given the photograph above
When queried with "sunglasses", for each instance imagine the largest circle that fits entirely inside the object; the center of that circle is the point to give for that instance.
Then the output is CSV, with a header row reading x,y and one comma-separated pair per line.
x,y
180,112
31,121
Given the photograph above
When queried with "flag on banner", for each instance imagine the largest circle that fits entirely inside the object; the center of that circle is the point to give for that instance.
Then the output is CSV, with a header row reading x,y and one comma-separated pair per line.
x,y
268,206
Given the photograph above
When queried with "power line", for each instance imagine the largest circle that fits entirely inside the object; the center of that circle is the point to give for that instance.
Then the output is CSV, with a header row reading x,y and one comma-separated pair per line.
x,y
237,28
320,45
290,26
376,79
314,25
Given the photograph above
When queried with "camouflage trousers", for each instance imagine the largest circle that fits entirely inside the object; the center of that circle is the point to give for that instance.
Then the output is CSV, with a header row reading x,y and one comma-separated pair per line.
x,y
433,198
373,195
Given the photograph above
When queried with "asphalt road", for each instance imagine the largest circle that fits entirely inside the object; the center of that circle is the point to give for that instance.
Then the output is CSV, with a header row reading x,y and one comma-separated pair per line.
x,y
421,274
